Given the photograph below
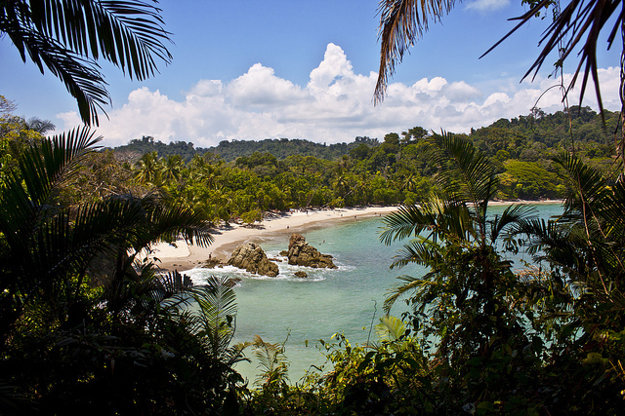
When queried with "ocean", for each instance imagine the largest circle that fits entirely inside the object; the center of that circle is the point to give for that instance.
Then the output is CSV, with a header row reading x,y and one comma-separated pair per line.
x,y
346,300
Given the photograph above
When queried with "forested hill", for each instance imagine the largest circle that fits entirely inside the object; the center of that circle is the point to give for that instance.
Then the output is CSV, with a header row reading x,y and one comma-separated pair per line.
x,y
538,135
529,138
230,150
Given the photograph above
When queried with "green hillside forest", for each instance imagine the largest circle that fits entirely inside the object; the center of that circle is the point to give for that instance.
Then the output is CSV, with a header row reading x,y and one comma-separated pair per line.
x,y
241,179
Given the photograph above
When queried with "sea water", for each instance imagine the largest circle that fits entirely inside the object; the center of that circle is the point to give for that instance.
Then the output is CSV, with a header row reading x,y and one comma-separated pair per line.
x,y
348,300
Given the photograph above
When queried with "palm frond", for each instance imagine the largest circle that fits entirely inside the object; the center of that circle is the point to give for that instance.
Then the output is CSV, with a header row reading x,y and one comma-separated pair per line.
x,y
69,36
271,359
81,77
512,216
579,24
421,250
215,314
440,219
401,23
587,184
410,283
407,221
27,201
167,223
479,182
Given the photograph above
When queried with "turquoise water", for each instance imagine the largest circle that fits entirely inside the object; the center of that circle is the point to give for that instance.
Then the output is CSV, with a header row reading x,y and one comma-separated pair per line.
x,y
328,301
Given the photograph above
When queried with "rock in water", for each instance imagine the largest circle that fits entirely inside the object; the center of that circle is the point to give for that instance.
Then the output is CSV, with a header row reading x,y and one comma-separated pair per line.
x,y
301,274
302,254
252,258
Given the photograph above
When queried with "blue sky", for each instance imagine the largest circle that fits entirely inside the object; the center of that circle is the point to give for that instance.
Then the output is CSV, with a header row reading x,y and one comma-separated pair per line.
x,y
247,69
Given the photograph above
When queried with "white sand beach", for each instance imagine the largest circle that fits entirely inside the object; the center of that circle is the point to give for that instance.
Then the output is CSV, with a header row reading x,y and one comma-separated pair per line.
x,y
184,257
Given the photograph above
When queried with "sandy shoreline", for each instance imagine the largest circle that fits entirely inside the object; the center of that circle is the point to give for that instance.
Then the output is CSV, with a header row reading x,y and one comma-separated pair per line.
x,y
186,257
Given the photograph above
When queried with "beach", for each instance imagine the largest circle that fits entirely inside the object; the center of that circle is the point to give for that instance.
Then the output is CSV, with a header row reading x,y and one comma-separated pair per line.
x,y
183,256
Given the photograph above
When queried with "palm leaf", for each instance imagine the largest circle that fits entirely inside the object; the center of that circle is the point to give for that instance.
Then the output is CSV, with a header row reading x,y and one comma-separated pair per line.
x,y
410,283
401,23
512,216
69,36
81,77
478,183
215,314
580,23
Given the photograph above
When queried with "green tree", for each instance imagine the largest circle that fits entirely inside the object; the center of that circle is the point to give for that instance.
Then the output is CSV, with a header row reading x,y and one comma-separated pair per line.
x,y
84,324
464,301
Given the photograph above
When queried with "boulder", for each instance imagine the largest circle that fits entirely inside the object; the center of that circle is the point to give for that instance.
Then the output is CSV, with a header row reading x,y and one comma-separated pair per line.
x,y
301,275
252,258
302,254
211,263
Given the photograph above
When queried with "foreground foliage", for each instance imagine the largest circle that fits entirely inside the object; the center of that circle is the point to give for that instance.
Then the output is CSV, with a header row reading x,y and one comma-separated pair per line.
x,y
85,325
482,337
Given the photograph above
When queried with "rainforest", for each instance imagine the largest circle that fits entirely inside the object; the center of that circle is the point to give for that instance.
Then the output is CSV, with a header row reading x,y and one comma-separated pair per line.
x,y
482,271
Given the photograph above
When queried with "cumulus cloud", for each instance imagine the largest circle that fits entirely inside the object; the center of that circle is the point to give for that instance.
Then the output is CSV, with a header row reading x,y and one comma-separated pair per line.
x,y
487,5
335,105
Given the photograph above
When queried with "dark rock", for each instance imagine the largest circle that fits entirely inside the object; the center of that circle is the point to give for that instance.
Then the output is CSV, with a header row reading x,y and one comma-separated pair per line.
x,y
212,263
253,259
284,253
301,274
274,259
302,254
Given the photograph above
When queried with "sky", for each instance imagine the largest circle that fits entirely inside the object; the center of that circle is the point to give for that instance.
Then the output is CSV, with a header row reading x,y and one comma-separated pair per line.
x,y
251,69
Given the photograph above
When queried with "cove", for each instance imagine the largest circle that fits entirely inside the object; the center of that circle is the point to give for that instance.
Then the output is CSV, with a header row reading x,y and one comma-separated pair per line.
x,y
344,300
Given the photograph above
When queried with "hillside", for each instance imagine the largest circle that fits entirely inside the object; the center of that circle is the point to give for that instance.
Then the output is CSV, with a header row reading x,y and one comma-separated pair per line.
x,y
230,150
527,138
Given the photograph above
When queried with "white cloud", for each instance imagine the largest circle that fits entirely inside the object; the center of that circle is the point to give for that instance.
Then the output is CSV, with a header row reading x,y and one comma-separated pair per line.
x,y
335,105
487,5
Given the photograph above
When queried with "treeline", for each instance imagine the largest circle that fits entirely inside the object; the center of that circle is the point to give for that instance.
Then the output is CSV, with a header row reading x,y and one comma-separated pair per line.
x,y
356,173
398,170
230,150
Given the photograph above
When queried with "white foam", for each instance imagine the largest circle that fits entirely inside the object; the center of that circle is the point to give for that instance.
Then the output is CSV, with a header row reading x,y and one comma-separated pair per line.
x,y
286,272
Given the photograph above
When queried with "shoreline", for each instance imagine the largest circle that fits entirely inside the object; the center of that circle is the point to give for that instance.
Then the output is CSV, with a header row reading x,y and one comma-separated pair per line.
x,y
184,257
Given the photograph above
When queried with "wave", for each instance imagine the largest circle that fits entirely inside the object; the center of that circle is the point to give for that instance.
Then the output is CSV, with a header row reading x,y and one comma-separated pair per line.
x,y
286,272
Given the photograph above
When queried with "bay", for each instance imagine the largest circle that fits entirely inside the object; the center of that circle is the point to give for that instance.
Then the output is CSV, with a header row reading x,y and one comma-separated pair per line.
x,y
346,300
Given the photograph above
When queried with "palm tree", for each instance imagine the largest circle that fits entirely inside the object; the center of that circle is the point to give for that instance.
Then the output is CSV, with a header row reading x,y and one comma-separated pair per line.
x,y
47,251
150,169
74,294
467,285
173,167
585,246
580,23
70,36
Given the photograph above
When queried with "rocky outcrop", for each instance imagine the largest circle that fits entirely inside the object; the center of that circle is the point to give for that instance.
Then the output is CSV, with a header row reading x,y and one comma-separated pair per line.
x,y
253,259
302,254
301,274
212,263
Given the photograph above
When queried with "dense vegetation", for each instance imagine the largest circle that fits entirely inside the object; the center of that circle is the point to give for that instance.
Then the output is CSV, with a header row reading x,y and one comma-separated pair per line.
x,y
397,170
231,150
88,326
